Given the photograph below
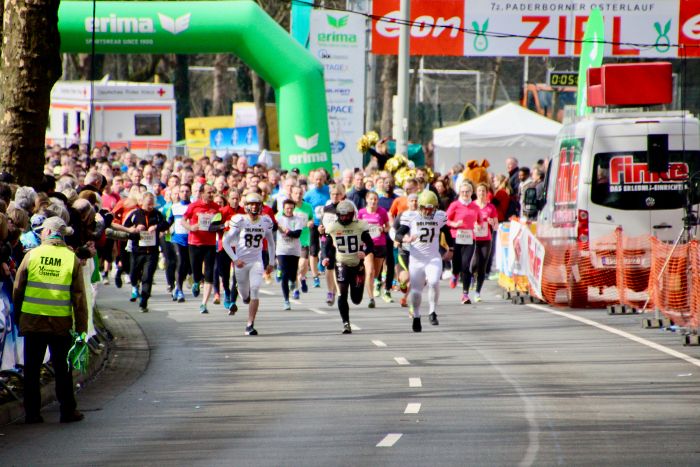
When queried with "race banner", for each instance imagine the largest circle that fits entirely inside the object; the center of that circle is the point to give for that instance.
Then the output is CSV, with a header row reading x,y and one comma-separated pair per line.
x,y
532,259
338,41
633,29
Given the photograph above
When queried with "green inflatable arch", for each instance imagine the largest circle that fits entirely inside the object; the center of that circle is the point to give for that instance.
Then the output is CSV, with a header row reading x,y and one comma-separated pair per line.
x,y
238,27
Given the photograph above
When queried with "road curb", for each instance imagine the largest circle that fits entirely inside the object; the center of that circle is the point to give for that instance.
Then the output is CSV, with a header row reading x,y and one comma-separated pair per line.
x,y
126,340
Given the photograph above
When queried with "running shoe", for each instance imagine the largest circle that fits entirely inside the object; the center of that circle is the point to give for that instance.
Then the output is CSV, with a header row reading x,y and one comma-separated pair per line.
x,y
174,295
195,289
180,296
287,306
203,309
246,300
105,278
217,299
417,326
493,276
250,331
143,308
346,328
232,309
377,288
404,302
465,299
134,294
453,282
371,303
386,296
321,267
118,279
278,275
227,300
170,288
317,282
403,286
304,287
296,294
189,280
330,298
433,319
477,297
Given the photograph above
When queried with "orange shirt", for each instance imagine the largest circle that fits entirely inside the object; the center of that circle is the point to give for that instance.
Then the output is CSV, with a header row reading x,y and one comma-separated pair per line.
x,y
399,205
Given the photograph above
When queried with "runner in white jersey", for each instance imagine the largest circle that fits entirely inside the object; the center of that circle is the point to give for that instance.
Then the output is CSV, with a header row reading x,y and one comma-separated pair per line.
x,y
246,233
421,230
289,227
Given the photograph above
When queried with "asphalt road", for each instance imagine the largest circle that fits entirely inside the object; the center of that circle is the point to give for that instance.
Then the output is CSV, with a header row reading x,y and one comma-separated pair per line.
x,y
493,384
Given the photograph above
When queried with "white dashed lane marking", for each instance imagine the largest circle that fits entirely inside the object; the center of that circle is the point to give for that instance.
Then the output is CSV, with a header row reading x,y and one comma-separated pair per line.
x,y
379,343
401,361
412,408
389,440
319,312
415,383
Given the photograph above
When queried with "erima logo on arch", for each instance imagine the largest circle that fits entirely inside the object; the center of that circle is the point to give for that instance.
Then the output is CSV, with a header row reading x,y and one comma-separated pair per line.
x,y
131,25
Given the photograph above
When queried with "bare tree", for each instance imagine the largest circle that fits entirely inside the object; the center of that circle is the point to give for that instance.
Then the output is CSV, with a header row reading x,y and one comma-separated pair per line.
x,y
220,92
31,64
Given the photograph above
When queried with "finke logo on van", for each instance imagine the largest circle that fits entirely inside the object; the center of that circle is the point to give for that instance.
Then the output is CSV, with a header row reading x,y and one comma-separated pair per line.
x,y
132,25
623,170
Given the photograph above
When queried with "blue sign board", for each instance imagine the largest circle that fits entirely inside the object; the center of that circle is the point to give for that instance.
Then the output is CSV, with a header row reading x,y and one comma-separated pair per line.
x,y
245,137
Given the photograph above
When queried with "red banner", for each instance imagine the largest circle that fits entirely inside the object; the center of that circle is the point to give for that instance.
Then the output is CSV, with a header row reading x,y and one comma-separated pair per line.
x,y
689,24
435,27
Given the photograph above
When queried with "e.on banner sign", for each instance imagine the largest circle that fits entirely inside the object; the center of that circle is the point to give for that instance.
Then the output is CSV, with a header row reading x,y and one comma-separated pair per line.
x,y
644,28
435,27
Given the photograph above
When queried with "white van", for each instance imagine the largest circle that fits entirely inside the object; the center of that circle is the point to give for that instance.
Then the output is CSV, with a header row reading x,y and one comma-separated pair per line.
x,y
599,178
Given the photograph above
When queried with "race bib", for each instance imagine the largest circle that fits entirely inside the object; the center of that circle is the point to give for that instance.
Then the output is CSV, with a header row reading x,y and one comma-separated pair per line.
x,y
318,211
375,231
465,237
204,221
481,230
147,239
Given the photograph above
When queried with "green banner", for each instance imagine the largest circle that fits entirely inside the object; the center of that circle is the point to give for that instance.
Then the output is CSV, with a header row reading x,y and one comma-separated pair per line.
x,y
238,27
591,57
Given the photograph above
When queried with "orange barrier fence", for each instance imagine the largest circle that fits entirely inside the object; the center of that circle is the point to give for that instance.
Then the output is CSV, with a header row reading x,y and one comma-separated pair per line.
x,y
669,281
633,267
640,272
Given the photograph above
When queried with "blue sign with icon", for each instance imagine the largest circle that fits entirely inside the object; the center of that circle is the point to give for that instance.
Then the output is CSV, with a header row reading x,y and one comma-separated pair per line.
x,y
245,137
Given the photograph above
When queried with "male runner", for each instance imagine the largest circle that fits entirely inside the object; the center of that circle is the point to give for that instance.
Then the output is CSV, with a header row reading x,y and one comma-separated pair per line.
x,y
246,232
344,247
421,230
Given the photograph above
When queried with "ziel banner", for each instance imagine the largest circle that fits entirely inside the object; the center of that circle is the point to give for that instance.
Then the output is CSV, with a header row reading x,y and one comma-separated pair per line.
x,y
635,28
337,40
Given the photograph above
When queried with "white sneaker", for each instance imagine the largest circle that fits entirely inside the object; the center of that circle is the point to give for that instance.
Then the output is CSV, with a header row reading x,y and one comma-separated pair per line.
x,y
477,297
446,274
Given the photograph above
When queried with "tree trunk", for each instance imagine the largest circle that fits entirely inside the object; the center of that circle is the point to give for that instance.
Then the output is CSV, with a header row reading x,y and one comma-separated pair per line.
x,y
181,85
87,68
390,71
122,68
259,99
496,79
220,93
31,64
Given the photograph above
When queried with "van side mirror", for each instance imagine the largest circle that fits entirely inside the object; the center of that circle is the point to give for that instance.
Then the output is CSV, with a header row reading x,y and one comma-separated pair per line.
x,y
530,203
657,153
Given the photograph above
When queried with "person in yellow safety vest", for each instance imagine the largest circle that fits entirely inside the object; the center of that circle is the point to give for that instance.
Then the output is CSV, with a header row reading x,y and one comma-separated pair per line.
x,y
49,300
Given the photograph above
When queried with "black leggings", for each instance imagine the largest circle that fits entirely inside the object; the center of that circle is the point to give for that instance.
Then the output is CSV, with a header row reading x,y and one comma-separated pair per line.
x,y
390,264
143,268
348,284
461,264
203,254
482,251
170,261
222,270
289,265
182,259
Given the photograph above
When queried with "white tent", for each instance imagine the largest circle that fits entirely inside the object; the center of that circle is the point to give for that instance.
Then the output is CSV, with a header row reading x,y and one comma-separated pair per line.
x,y
508,131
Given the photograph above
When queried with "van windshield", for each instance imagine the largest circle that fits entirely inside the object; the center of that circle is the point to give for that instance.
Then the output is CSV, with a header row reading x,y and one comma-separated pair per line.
x,y
622,180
